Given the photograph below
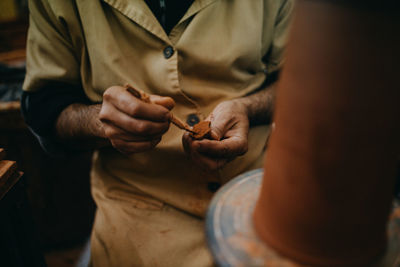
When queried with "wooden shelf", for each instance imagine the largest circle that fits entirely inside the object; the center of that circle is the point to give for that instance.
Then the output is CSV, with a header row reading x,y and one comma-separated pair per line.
x,y
9,175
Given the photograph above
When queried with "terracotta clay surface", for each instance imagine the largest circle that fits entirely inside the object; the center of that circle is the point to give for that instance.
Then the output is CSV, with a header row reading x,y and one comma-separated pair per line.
x,y
233,241
201,130
331,164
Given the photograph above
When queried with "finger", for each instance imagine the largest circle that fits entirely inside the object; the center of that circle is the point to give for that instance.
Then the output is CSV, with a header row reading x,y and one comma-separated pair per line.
x,y
217,132
220,124
207,163
113,132
110,114
226,148
133,147
191,148
134,107
187,141
164,101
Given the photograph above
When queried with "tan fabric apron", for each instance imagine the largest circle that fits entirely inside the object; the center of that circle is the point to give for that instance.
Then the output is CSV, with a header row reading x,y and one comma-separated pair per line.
x,y
151,205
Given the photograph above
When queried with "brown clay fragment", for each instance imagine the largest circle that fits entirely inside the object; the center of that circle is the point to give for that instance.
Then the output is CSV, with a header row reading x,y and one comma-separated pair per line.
x,y
201,130
327,189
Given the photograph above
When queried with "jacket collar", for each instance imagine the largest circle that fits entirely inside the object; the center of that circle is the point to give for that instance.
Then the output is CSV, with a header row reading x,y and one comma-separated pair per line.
x,y
139,12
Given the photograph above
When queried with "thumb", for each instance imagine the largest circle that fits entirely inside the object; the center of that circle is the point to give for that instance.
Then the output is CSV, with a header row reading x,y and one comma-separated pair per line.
x,y
217,127
164,101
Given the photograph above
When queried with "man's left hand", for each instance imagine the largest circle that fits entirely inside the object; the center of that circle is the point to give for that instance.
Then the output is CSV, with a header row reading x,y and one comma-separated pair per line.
x,y
229,133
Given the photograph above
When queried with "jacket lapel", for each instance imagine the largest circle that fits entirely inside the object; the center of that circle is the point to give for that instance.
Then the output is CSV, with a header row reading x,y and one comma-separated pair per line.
x,y
195,8
139,12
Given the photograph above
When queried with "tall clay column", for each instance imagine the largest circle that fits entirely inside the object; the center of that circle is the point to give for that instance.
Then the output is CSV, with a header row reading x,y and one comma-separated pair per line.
x,y
331,161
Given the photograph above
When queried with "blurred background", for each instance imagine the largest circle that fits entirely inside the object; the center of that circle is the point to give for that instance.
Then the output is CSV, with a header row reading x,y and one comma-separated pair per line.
x,y
57,188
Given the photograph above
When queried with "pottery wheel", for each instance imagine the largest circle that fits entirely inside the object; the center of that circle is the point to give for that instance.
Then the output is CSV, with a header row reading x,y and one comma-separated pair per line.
x,y
232,239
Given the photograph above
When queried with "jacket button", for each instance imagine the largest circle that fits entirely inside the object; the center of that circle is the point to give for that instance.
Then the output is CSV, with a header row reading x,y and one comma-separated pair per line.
x,y
213,186
168,52
192,119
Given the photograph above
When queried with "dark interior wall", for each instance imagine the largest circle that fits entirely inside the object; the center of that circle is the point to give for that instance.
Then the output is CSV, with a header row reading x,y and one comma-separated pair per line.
x,y
58,188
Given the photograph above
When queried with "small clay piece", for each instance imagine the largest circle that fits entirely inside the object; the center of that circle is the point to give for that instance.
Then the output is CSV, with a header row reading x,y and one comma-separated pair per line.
x,y
201,130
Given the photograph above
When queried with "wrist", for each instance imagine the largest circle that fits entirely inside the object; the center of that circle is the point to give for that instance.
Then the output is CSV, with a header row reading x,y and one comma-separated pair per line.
x,y
260,105
96,126
79,127
80,121
242,105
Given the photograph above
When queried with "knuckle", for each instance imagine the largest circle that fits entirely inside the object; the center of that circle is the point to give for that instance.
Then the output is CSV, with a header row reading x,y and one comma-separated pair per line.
x,y
117,144
244,148
107,132
164,128
107,95
112,134
141,127
113,88
133,109
103,114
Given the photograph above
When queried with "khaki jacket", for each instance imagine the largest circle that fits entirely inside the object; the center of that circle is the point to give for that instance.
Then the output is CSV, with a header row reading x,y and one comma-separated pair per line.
x,y
222,49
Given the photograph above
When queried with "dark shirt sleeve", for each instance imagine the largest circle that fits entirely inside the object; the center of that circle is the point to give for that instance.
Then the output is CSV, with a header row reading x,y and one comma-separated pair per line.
x,y
41,109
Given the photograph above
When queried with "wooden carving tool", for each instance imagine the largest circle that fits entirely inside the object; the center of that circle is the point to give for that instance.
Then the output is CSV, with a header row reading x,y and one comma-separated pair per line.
x,y
146,98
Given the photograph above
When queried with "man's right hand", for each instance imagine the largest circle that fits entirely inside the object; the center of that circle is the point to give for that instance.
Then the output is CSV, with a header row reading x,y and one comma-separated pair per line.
x,y
132,125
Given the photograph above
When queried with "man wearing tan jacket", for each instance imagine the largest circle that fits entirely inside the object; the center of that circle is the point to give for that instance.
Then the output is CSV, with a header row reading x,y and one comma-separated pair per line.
x,y
203,59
